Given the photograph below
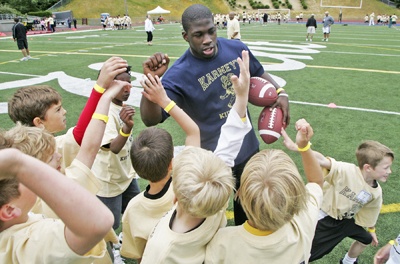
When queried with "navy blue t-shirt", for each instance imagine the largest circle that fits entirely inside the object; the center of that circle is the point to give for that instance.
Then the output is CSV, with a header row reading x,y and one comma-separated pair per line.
x,y
202,88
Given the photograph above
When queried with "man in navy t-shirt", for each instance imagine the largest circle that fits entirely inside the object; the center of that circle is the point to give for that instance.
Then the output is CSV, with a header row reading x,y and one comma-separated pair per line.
x,y
199,82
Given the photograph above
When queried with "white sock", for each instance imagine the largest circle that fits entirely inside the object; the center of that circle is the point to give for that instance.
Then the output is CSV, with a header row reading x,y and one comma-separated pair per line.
x,y
348,260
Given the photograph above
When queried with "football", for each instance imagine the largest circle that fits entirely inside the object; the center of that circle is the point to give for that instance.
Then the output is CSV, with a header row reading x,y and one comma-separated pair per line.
x,y
270,124
262,92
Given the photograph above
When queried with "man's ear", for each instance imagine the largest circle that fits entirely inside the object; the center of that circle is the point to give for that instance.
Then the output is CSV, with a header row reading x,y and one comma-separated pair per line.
x,y
185,36
38,122
9,212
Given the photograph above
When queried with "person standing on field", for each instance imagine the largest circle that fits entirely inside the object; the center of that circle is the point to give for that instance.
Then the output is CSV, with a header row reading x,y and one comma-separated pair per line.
x,y
19,35
326,29
149,28
311,25
233,27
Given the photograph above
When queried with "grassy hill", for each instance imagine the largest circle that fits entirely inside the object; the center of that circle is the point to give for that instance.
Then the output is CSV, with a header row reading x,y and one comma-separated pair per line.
x,y
137,8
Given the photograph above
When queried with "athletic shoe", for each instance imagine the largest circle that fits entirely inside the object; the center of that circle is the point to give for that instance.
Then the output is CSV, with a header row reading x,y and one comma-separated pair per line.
x,y
306,39
326,40
341,261
310,40
24,59
117,257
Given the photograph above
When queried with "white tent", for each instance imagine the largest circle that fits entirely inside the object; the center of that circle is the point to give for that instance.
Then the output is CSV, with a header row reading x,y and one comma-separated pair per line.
x,y
158,10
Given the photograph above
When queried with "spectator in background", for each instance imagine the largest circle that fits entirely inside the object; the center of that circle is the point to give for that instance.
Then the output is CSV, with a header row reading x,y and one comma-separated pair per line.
x,y
233,27
265,19
19,35
74,20
69,22
372,19
326,29
311,25
149,28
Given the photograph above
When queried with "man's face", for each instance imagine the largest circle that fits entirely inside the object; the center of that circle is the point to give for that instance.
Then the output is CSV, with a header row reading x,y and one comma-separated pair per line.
x,y
202,38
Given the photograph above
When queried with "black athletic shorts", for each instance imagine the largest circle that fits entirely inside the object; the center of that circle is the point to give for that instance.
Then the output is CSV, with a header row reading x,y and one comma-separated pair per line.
x,y
330,232
22,44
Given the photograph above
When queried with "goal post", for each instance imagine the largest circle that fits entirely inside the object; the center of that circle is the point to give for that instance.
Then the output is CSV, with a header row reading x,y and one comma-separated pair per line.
x,y
342,3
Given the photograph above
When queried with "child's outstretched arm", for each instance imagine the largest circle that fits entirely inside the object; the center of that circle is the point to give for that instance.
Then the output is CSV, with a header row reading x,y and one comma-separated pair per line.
x,y
241,85
290,145
154,92
111,68
311,166
70,201
237,125
94,133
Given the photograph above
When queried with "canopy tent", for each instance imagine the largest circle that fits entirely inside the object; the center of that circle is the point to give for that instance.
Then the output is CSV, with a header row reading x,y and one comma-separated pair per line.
x,y
158,10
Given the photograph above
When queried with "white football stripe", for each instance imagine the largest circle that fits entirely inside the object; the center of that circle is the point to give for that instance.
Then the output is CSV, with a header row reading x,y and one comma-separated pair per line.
x,y
269,132
264,90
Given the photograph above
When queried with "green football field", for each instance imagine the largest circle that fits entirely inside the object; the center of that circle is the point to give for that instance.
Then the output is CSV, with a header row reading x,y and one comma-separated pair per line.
x,y
347,88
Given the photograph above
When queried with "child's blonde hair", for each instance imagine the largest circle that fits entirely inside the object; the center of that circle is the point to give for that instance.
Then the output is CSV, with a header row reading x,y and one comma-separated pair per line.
x,y
202,182
271,190
30,102
372,152
33,141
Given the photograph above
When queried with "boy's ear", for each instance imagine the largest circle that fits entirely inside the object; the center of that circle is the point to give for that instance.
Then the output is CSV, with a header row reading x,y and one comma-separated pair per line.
x,y
38,122
170,166
367,168
9,212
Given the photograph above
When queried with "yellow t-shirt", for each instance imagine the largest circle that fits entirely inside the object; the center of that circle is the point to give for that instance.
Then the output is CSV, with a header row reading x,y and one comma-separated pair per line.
x,y
289,244
140,218
347,195
166,246
114,171
68,148
41,240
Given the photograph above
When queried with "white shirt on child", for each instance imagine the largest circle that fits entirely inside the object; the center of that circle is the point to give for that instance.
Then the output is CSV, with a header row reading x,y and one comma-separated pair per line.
x,y
140,217
114,171
348,195
289,244
42,240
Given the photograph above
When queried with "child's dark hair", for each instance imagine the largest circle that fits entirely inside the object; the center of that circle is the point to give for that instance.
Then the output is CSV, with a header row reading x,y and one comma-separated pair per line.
x,y
128,71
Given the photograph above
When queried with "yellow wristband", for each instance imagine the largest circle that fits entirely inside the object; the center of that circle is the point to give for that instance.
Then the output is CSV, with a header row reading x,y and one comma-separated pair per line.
x,y
371,230
169,106
100,117
123,134
244,119
98,88
305,148
279,90
391,242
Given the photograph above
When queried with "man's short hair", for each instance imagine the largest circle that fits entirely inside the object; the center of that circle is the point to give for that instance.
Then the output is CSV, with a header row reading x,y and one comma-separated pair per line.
x,y
271,190
202,182
16,19
151,153
30,102
194,13
372,152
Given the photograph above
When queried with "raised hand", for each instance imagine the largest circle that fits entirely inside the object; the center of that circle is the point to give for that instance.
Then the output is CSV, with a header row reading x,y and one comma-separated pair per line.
x,y
154,91
111,68
157,64
304,133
